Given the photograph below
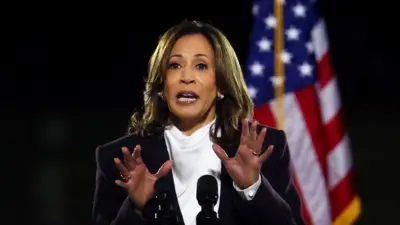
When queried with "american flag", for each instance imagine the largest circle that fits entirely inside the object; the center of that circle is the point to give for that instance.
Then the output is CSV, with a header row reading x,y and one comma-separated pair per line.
x,y
293,87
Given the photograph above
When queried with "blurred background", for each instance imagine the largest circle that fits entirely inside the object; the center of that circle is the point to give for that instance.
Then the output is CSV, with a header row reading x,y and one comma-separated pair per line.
x,y
72,74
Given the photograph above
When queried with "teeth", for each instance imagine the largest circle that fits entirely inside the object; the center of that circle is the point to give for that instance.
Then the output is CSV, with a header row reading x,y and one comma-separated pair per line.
x,y
183,99
188,95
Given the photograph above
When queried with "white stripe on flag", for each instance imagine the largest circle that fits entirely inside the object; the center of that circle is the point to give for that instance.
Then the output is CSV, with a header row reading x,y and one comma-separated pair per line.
x,y
319,40
339,162
329,100
305,162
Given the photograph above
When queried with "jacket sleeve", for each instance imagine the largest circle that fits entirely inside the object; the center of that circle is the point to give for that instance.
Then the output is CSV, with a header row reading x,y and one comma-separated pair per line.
x,y
276,200
111,206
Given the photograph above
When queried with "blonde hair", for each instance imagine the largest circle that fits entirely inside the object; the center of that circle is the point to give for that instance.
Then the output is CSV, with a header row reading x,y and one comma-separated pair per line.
x,y
236,104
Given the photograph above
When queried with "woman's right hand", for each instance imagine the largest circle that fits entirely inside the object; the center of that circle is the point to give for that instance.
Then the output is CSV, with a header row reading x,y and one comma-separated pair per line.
x,y
138,181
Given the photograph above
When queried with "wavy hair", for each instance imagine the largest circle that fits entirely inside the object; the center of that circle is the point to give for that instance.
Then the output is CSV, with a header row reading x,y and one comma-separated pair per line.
x,y
236,104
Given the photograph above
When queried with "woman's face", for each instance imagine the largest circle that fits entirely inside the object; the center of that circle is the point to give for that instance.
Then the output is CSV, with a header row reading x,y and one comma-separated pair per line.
x,y
190,89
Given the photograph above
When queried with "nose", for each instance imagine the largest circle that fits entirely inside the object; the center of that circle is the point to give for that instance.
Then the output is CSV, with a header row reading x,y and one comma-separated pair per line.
x,y
187,76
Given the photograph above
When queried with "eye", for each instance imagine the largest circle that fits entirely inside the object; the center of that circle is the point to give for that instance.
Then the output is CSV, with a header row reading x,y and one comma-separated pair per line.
x,y
173,66
201,66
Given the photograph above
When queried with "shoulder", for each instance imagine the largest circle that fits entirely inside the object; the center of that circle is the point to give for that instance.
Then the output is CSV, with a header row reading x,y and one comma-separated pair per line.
x,y
272,132
275,137
278,163
105,153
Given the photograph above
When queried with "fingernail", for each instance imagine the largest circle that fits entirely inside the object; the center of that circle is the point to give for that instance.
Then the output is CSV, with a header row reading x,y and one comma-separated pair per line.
x,y
117,182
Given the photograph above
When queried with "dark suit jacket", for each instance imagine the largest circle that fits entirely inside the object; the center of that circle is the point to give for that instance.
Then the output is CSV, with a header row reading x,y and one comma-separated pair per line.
x,y
275,203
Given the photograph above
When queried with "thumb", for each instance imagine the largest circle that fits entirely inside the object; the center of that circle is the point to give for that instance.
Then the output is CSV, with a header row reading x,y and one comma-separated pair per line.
x,y
220,152
164,169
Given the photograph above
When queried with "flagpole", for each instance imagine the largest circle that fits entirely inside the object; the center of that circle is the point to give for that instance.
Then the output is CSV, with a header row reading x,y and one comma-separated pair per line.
x,y
279,83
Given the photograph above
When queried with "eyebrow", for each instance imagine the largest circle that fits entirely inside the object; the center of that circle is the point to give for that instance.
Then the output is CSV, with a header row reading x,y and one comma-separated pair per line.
x,y
196,55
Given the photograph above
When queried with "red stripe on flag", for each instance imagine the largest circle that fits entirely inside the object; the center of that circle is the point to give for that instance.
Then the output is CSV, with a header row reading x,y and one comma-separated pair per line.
x,y
264,115
325,73
334,130
304,211
309,105
342,195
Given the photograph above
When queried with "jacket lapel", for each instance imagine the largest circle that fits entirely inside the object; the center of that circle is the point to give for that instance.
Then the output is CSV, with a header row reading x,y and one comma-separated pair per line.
x,y
155,154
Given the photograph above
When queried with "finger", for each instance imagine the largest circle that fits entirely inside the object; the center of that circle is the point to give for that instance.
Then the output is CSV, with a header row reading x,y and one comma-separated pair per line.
x,y
244,152
137,155
245,128
266,154
128,159
253,130
122,169
121,184
164,169
220,152
245,133
260,138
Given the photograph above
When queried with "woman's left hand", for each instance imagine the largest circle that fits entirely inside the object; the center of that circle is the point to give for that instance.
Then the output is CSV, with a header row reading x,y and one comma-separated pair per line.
x,y
244,168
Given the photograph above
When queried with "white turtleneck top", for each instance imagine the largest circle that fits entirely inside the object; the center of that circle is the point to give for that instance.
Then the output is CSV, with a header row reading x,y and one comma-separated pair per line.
x,y
192,158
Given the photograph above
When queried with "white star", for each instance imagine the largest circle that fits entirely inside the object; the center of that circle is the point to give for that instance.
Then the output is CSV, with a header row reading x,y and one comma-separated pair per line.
x,y
270,21
310,47
293,33
305,69
286,57
257,69
277,80
264,44
255,9
252,91
299,10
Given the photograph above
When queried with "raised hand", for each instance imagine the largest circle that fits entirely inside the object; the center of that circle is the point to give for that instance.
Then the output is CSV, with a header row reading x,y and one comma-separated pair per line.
x,y
137,180
244,168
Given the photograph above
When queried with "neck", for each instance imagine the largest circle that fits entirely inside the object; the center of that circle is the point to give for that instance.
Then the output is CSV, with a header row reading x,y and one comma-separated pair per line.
x,y
188,127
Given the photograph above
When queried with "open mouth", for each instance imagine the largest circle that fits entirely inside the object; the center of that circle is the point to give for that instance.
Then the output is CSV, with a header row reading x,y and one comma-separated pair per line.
x,y
187,96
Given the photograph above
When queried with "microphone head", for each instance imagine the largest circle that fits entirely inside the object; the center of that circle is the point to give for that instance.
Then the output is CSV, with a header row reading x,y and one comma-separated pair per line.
x,y
207,190
160,207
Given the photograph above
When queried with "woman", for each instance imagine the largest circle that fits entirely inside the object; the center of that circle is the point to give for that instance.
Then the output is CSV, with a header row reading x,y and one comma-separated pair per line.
x,y
195,123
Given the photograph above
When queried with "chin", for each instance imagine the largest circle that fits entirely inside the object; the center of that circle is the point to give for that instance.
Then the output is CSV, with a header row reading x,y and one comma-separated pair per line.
x,y
190,113
187,115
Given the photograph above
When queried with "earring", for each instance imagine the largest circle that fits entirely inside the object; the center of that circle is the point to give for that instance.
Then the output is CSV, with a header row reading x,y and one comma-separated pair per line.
x,y
161,94
220,96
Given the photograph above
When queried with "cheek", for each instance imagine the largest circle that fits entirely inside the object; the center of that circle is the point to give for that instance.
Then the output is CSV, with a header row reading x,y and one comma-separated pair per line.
x,y
210,87
169,84
211,83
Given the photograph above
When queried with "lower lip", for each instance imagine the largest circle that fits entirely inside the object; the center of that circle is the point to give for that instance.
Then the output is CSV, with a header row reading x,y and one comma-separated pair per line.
x,y
186,102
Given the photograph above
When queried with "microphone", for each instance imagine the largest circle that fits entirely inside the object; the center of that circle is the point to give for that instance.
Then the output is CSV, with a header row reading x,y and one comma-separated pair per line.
x,y
162,211
207,197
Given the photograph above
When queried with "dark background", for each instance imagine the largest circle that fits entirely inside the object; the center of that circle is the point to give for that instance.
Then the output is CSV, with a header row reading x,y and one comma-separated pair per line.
x,y
71,76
